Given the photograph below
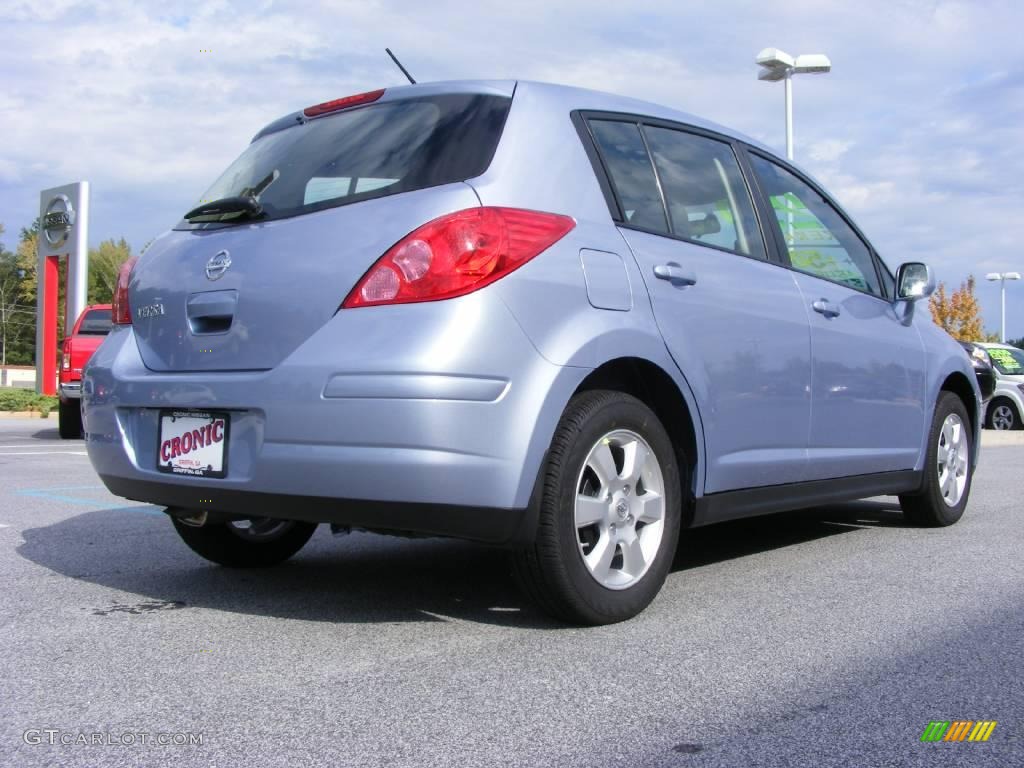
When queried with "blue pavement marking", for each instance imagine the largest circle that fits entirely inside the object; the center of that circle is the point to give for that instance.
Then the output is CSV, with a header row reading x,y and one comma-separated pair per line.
x,y
60,494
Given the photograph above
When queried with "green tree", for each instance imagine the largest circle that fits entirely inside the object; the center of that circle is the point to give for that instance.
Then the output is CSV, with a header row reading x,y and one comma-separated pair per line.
x,y
104,265
1019,343
27,254
17,321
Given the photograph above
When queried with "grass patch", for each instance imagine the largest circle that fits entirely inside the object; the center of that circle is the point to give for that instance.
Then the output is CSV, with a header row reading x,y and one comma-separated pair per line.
x,y
26,400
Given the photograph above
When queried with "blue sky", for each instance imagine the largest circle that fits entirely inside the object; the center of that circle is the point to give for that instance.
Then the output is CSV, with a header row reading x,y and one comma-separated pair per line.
x,y
918,130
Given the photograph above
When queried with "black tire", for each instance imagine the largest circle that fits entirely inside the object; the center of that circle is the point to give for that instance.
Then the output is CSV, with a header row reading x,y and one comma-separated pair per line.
x,y
551,571
219,543
1013,415
69,419
927,507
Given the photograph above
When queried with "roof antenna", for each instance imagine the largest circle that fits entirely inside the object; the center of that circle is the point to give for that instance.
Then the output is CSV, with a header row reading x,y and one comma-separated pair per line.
x,y
399,65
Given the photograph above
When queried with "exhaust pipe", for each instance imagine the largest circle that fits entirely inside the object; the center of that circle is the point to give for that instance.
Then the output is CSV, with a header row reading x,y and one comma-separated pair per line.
x,y
194,519
198,518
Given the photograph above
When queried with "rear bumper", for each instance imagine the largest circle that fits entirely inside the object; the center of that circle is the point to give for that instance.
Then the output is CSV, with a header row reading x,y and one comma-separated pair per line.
x,y
486,524
429,418
70,390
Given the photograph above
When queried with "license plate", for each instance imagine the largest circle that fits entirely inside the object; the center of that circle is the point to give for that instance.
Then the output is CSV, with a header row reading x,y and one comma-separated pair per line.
x,y
193,443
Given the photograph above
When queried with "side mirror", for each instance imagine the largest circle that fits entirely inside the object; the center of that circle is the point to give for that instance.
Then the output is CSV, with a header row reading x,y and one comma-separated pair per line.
x,y
914,281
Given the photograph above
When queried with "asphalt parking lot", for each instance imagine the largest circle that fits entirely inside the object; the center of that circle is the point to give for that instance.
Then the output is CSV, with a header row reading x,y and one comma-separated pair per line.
x,y
829,637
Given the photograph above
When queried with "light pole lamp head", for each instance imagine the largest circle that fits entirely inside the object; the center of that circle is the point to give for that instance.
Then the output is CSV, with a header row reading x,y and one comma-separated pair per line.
x,y
994,276
812,64
772,75
773,57
775,64
1012,275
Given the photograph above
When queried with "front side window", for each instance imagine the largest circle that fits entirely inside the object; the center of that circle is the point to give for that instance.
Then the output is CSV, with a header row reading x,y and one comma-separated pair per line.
x,y
707,200
818,239
629,166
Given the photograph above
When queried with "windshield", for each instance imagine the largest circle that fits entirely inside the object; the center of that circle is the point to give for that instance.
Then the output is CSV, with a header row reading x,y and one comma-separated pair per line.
x,y
366,152
1009,362
95,323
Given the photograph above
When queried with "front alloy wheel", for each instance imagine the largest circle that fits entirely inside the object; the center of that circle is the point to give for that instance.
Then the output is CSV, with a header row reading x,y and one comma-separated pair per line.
x,y
1002,416
947,470
952,459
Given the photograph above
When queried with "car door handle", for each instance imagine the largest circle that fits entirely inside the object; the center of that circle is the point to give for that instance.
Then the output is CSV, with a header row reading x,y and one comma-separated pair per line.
x,y
826,308
675,274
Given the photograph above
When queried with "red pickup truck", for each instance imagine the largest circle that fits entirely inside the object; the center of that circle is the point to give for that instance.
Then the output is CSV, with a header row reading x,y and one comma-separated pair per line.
x,y
89,331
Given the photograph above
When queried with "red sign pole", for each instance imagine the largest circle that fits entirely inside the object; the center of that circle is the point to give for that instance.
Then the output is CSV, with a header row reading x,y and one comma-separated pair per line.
x,y
49,285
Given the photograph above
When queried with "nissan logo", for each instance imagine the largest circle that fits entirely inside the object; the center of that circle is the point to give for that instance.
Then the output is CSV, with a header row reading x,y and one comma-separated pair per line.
x,y
218,265
58,220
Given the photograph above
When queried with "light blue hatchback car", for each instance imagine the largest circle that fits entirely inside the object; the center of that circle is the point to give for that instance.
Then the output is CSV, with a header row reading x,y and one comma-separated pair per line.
x,y
564,322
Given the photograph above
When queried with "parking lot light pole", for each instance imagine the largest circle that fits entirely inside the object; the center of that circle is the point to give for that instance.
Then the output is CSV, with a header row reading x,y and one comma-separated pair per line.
x,y
778,65
1002,277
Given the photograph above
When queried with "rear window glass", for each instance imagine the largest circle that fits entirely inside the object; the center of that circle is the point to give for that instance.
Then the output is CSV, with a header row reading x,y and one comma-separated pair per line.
x,y
629,166
96,322
372,151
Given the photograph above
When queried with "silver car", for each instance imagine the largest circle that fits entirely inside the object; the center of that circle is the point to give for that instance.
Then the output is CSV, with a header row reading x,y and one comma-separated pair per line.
x,y
564,322
1006,408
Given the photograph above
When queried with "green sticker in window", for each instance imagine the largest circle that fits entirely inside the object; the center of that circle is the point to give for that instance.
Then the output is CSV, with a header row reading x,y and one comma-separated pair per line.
x,y
1005,361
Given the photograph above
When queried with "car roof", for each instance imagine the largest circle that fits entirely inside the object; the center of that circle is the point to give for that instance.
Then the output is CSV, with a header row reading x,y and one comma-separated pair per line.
x,y
588,99
570,97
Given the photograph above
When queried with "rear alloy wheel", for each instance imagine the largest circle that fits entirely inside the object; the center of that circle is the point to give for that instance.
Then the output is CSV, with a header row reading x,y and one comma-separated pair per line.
x,y
251,543
619,526
609,514
947,470
69,419
1002,415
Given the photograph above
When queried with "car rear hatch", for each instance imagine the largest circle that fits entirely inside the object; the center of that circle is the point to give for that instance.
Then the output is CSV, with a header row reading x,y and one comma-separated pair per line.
x,y
324,198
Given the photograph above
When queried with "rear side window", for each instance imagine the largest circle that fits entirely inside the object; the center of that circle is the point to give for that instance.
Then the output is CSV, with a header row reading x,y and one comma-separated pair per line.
x,y
95,323
818,239
372,151
708,201
632,175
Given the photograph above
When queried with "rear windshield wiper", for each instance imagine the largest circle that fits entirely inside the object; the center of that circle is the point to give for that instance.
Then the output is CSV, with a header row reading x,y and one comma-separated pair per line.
x,y
242,206
226,209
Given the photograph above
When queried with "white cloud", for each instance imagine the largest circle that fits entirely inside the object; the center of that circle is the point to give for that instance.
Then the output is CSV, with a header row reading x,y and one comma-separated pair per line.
x,y
916,129
828,150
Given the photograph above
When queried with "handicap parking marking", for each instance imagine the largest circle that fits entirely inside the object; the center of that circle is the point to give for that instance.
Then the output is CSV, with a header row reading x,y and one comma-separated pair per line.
x,y
67,495
146,509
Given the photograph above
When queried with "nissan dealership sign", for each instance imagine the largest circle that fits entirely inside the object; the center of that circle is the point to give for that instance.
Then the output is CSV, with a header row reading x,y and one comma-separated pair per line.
x,y
63,234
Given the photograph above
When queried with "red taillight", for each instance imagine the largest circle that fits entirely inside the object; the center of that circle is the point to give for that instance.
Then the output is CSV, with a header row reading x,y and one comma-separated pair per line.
x,y
345,103
121,312
457,254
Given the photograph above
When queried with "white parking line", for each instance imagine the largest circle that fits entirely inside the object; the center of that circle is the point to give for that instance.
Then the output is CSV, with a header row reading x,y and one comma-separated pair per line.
x,y
40,453
27,444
